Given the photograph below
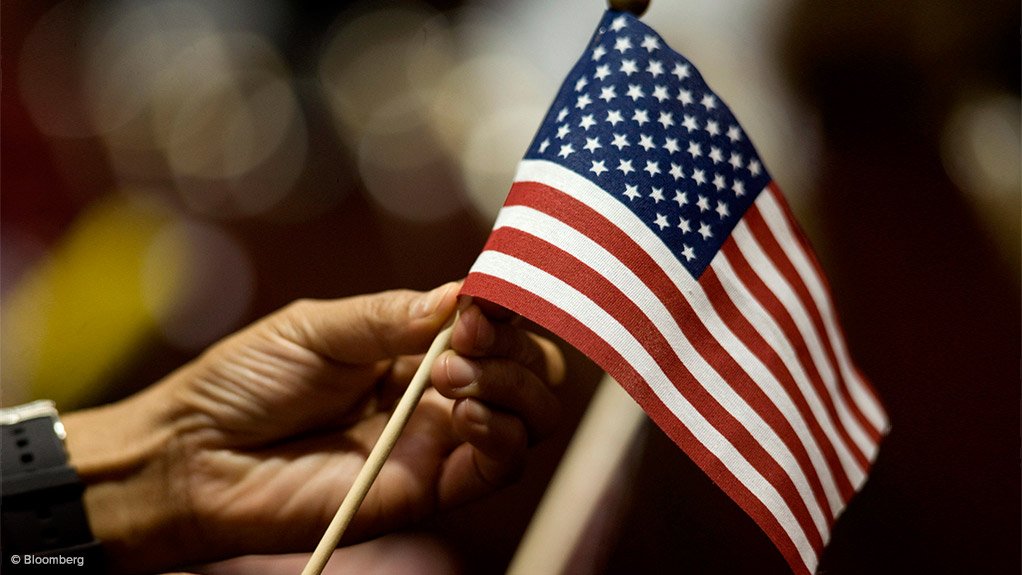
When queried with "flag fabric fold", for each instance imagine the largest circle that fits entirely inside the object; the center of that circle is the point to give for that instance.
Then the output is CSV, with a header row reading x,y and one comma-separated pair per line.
x,y
643,229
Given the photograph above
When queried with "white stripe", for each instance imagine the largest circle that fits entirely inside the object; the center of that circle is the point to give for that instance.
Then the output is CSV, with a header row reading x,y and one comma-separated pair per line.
x,y
575,304
590,253
585,191
763,267
792,248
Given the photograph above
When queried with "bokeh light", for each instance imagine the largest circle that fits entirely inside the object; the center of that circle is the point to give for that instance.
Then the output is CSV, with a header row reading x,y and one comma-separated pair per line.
x,y
981,151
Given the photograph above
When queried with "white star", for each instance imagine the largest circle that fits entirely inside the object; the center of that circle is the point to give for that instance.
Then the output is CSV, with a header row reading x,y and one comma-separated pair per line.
x,y
631,192
736,160
733,133
722,209
587,122
661,221
598,52
583,101
676,172
650,43
623,44
685,97
680,197
689,123
625,167
657,194
592,144
699,177
718,182
646,141
712,128
754,167
704,230
566,150
652,168
684,225
607,93
620,141
614,116
562,114
618,24
628,67
563,131
602,72
660,93
680,70
708,101
640,116
716,155
688,252
671,145
655,68
598,167
694,150
703,203
581,83
666,119
635,92
544,145
739,188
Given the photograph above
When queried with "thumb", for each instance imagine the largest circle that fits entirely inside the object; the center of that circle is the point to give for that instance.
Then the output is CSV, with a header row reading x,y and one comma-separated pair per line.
x,y
368,328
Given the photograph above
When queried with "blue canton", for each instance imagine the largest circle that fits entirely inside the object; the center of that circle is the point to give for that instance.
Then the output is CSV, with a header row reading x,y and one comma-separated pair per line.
x,y
638,120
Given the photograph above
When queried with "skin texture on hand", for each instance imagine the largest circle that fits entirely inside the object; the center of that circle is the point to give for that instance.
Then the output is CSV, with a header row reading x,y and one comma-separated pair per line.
x,y
251,447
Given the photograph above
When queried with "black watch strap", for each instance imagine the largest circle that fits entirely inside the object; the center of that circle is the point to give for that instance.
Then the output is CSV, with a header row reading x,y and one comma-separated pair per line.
x,y
43,520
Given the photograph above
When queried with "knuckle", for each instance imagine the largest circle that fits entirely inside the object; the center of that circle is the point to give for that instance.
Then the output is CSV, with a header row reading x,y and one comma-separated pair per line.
x,y
292,321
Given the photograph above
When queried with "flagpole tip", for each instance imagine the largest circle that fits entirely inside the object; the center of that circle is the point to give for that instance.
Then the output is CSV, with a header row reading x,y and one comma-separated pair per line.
x,y
636,7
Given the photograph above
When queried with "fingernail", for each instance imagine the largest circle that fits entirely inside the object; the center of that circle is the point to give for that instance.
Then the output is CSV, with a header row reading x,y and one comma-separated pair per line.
x,y
428,302
462,373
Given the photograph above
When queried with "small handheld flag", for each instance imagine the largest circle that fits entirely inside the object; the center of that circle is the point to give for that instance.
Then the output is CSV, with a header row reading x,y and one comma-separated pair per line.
x,y
643,229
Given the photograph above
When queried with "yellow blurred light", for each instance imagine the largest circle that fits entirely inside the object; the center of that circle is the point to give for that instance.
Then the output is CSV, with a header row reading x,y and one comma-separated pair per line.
x,y
76,319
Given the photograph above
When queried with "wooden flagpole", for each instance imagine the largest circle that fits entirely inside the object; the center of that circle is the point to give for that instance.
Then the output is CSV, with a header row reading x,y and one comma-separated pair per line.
x,y
384,445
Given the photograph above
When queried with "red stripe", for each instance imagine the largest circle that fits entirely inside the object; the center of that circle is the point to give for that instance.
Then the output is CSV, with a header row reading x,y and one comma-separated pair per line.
x,y
577,334
759,290
759,229
581,217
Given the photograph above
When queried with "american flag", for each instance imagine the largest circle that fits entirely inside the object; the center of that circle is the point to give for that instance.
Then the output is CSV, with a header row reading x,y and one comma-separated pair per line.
x,y
643,229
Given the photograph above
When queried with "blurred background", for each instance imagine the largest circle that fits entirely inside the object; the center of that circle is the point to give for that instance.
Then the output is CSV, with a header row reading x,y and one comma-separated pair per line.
x,y
174,169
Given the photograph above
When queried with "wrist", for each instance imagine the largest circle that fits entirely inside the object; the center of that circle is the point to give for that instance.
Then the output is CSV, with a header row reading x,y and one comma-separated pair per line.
x,y
125,455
